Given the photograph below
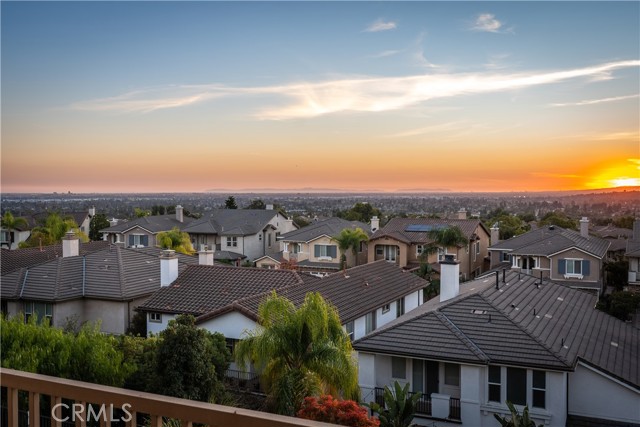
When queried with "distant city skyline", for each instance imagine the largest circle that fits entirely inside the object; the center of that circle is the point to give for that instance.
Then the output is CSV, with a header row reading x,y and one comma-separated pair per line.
x,y
357,96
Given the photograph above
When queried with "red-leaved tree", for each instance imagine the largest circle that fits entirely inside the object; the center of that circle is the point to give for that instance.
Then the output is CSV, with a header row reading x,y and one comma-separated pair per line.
x,y
336,411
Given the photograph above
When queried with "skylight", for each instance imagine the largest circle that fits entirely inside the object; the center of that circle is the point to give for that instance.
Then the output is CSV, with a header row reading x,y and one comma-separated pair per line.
x,y
423,227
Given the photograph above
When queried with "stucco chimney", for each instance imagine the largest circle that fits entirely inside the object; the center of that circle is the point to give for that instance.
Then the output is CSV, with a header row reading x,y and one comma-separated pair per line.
x,y
462,214
70,245
113,222
179,213
375,224
495,234
168,267
584,227
636,230
269,207
205,256
449,278
92,211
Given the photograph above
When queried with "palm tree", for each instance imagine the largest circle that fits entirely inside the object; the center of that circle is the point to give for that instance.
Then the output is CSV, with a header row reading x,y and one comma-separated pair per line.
x,y
399,406
299,352
444,238
516,420
12,223
350,238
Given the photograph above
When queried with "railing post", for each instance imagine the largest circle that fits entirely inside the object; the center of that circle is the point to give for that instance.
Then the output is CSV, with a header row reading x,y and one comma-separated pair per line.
x,y
156,420
184,423
81,419
134,419
12,403
34,409
56,411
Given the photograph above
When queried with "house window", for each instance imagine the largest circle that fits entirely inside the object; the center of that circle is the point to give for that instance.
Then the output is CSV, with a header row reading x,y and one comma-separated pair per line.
x,y
539,389
41,310
517,386
232,242
398,367
478,248
296,248
495,383
370,322
155,317
349,327
574,266
379,250
231,344
505,256
260,237
452,374
440,254
326,251
400,307
269,239
386,308
286,247
419,250
4,237
138,240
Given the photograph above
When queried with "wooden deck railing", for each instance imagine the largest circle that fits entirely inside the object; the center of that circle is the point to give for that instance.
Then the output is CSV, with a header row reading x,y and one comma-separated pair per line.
x,y
157,407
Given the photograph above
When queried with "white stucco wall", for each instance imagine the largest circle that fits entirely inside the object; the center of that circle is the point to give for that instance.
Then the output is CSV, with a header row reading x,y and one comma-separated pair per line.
x,y
113,315
412,301
156,327
366,376
231,325
593,394
359,328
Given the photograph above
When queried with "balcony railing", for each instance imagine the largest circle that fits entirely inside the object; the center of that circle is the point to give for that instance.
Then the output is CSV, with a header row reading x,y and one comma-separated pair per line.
x,y
24,391
242,380
423,405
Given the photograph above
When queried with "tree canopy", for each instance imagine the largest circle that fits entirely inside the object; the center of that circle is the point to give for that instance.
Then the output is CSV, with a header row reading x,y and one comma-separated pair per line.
x,y
98,222
12,223
230,203
256,204
361,211
560,219
51,231
177,240
509,225
299,352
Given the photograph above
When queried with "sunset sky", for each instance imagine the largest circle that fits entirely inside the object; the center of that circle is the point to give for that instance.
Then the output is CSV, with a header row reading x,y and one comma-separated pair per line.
x,y
388,96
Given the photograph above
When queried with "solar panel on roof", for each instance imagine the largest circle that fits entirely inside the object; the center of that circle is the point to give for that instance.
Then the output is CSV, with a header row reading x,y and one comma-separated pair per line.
x,y
423,227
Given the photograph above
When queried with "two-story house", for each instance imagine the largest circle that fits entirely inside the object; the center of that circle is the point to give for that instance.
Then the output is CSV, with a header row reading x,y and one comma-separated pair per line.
x,y
504,337
572,258
225,299
89,282
249,232
633,256
404,241
142,232
314,249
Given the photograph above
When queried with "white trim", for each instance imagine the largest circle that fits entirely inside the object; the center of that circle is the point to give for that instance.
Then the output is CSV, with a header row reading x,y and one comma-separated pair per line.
x,y
576,248
129,229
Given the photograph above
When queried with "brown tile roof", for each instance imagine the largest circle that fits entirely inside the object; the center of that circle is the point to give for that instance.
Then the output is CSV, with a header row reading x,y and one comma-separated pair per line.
x,y
12,260
397,228
360,291
114,273
201,289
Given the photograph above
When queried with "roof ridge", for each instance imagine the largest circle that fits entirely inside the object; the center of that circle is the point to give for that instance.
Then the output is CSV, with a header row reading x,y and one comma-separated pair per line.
x,y
468,342
530,335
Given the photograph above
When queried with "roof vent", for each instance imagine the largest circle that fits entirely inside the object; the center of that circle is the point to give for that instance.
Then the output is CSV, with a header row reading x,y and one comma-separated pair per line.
x,y
478,311
560,299
614,344
548,316
552,227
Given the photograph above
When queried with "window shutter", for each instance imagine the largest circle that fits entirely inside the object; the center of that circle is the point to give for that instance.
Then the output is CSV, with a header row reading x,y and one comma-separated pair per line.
x,y
316,250
332,251
131,240
562,266
144,240
586,267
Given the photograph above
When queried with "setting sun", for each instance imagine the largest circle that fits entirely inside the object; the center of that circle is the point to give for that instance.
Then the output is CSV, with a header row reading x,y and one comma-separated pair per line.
x,y
624,182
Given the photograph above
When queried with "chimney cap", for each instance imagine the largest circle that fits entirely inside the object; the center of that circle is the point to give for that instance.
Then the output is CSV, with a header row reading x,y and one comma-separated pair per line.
x,y
168,253
449,259
70,235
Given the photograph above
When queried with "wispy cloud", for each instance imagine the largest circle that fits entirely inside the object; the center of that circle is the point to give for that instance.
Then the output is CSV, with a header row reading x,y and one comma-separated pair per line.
x,y
596,101
419,55
555,175
487,22
361,94
380,25
384,54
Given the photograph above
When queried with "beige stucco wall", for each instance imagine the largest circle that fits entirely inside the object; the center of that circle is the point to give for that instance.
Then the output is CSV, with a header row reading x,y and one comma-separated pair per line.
x,y
138,230
401,258
595,267
267,263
